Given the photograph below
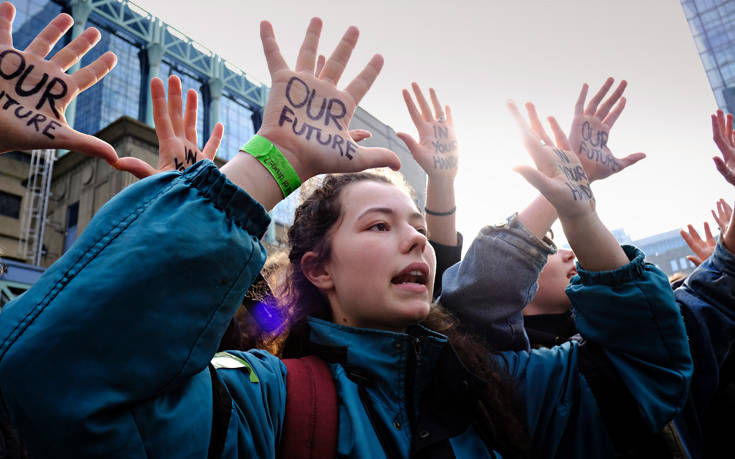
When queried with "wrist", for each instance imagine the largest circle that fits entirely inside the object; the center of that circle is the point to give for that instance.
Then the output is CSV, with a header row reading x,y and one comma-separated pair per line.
x,y
728,239
580,220
287,150
441,180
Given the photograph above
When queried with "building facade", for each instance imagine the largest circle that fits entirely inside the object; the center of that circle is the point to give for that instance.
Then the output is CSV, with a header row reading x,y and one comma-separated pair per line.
x,y
668,251
712,23
118,110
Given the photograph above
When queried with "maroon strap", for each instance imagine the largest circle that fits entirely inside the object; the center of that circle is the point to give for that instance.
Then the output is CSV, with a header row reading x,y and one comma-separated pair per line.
x,y
310,425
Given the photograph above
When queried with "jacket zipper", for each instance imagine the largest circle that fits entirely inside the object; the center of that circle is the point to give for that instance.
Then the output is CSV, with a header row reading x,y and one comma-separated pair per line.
x,y
414,361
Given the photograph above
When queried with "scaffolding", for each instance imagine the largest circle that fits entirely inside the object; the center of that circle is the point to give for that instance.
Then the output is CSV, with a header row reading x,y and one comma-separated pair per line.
x,y
35,204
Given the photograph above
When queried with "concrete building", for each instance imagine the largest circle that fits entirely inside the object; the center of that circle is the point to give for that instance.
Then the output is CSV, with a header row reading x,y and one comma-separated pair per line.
x,y
118,110
712,23
667,250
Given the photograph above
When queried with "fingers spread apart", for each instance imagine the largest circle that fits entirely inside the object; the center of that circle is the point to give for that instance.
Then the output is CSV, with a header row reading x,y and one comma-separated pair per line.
x,y
74,51
308,51
45,41
7,14
337,62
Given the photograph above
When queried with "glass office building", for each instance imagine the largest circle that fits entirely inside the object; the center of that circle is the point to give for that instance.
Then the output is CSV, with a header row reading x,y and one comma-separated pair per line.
x,y
712,23
146,47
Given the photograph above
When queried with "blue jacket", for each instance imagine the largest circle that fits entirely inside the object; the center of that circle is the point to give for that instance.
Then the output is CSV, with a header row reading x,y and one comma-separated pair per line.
x,y
106,355
707,302
627,369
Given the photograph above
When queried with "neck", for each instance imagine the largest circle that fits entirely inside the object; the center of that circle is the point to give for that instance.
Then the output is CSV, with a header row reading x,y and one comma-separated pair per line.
x,y
534,309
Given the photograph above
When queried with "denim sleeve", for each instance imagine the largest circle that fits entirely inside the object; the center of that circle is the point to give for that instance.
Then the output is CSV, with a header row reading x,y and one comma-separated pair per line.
x,y
134,311
496,279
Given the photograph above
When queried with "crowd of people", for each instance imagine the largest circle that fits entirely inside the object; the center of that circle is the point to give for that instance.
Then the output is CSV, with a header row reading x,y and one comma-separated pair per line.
x,y
154,335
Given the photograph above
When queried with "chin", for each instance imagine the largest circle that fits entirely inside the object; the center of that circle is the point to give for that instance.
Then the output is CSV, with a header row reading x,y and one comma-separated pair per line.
x,y
417,314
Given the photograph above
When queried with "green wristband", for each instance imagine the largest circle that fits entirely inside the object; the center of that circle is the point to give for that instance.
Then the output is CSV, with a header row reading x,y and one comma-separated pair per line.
x,y
273,160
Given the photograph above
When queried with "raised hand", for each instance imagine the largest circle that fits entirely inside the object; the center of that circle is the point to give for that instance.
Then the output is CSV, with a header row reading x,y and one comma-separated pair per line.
x,y
559,174
725,139
436,150
307,117
34,91
562,180
177,136
723,215
591,130
702,249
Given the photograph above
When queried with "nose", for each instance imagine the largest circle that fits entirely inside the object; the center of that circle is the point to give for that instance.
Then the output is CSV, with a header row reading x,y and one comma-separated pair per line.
x,y
567,255
414,240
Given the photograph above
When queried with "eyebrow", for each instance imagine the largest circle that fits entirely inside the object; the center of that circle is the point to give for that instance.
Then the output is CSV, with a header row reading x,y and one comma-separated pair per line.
x,y
389,211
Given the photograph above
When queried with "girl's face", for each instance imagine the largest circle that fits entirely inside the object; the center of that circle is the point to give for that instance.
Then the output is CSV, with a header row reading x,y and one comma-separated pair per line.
x,y
381,270
553,280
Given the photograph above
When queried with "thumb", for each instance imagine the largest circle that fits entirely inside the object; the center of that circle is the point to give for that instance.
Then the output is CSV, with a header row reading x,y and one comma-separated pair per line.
x,y
210,149
358,135
93,146
534,177
694,260
410,142
135,166
379,157
631,159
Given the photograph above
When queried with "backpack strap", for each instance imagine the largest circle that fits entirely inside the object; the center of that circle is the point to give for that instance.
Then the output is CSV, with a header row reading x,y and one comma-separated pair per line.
x,y
221,410
310,424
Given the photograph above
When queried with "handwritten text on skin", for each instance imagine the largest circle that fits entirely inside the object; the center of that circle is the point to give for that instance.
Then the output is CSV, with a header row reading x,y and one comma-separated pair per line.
x,y
13,67
304,100
594,147
443,148
190,157
575,175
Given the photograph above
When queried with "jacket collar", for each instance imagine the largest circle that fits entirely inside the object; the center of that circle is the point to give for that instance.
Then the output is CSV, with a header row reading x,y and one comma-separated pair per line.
x,y
381,357
442,386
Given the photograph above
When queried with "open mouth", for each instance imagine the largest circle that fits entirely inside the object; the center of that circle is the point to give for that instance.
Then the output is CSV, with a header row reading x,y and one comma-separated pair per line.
x,y
571,273
413,274
412,277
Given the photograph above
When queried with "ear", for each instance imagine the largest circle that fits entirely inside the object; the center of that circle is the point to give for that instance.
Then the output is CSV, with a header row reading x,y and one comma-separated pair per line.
x,y
316,273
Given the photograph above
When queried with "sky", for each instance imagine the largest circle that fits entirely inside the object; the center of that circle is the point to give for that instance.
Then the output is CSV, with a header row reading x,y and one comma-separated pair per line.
x,y
478,54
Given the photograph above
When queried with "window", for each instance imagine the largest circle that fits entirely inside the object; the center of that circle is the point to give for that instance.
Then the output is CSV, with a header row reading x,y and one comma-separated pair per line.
x,y
72,216
10,205
683,263
238,121
674,266
118,93
188,81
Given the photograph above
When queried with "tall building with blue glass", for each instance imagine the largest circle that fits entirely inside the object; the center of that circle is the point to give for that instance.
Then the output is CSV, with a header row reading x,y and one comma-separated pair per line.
x,y
712,23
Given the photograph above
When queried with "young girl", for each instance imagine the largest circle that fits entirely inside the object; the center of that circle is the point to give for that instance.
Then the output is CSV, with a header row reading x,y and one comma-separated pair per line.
x,y
107,355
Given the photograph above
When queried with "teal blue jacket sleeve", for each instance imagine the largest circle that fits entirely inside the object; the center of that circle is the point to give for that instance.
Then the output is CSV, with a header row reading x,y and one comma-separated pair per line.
x,y
129,318
630,314
495,280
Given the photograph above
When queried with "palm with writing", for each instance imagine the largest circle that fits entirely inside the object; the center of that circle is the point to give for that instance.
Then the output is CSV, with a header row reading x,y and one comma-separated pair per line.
x,y
724,137
307,117
702,248
591,130
34,91
436,151
559,174
177,136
